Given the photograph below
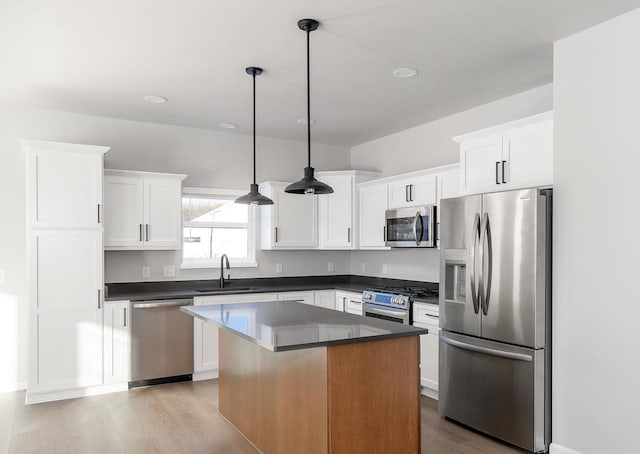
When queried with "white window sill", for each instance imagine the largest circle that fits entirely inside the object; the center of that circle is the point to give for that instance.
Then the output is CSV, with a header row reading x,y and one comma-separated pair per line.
x,y
212,265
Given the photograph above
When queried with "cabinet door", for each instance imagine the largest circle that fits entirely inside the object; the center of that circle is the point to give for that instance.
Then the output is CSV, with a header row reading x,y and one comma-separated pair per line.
x,y
429,359
372,207
65,189
422,190
481,163
326,298
117,342
123,212
341,300
335,214
399,194
162,214
295,220
301,297
65,269
528,156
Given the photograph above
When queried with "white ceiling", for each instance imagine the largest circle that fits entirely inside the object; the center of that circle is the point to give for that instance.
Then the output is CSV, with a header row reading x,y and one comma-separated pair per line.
x,y
103,57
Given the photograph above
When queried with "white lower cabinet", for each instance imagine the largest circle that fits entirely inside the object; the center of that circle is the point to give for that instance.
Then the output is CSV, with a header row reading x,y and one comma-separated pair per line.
x,y
205,335
117,342
350,302
426,316
326,298
301,297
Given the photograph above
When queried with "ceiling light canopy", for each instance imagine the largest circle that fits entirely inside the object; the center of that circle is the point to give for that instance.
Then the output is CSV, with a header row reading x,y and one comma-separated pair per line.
x,y
155,99
254,197
308,184
405,73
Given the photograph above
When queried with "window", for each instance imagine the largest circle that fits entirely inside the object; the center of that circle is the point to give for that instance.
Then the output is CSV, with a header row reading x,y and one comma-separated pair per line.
x,y
213,225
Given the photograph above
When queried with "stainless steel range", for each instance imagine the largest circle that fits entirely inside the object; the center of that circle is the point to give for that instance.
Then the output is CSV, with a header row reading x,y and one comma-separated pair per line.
x,y
396,303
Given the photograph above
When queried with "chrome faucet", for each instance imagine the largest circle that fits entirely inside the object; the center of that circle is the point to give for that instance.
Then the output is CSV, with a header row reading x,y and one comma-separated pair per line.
x,y
224,258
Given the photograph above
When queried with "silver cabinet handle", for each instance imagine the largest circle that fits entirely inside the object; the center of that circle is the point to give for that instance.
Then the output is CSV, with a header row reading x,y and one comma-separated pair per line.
x,y
485,350
157,304
384,233
497,171
486,237
476,238
99,300
276,235
410,193
146,228
125,317
406,192
140,232
98,213
503,179
348,234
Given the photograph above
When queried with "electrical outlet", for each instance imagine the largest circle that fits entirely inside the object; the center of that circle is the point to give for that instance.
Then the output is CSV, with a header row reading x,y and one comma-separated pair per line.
x,y
362,267
385,268
278,267
330,267
169,271
146,272
1,276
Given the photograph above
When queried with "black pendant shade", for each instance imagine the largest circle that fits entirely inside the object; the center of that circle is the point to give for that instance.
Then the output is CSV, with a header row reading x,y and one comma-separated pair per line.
x,y
308,185
254,197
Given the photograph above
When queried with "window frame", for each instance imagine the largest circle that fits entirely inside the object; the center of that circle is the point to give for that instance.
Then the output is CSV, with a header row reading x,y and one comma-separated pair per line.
x,y
250,261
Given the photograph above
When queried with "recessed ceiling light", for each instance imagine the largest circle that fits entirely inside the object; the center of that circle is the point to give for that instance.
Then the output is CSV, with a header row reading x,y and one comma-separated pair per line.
x,y
155,99
303,121
405,73
228,126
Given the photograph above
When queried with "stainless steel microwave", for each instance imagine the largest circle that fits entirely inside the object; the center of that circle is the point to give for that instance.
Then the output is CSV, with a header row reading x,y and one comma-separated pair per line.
x,y
411,227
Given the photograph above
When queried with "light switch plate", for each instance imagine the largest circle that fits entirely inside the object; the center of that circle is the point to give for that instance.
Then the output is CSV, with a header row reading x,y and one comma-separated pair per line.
x,y
278,267
146,272
330,267
169,271
385,268
362,267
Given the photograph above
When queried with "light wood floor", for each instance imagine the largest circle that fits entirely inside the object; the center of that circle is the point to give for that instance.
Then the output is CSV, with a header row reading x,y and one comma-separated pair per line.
x,y
175,418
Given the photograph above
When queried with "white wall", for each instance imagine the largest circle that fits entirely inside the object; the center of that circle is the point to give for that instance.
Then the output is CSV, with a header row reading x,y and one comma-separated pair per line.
x,y
596,339
210,158
425,146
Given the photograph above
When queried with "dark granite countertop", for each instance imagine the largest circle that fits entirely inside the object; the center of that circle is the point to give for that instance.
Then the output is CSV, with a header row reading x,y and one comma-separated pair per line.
x,y
142,291
289,325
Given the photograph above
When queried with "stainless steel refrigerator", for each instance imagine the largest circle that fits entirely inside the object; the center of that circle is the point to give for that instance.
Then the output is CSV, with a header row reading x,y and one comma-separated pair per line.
x,y
495,313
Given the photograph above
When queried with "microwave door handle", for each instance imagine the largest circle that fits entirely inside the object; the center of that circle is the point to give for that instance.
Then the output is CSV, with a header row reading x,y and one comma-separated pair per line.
x,y
416,220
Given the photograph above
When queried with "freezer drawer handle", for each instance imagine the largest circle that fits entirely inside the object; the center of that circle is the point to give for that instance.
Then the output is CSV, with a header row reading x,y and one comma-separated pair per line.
x,y
162,304
485,350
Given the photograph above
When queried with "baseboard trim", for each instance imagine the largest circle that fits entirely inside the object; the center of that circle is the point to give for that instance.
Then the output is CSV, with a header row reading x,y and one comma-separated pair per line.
x,y
12,387
429,392
555,448
205,375
38,398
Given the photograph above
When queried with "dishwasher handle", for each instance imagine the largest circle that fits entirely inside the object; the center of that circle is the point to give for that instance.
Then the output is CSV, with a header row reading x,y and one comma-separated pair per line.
x,y
157,304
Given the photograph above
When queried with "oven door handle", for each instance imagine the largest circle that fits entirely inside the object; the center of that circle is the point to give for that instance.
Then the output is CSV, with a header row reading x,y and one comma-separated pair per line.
x,y
171,303
375,310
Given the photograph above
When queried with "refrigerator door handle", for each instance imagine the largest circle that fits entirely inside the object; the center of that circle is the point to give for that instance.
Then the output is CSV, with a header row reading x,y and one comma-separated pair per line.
x,y
476,236
486,238
485,350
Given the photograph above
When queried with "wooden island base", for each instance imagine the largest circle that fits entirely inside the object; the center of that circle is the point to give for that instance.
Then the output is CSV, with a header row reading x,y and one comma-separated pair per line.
x,y
342,399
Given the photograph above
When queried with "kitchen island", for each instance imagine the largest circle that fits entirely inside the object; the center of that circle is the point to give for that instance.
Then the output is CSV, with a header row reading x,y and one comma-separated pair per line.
x,y
299,378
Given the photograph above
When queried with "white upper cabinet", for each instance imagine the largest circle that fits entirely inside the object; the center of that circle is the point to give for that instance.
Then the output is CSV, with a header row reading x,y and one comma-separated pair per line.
x,y
413,191
510,156
373,205
142,210
291,222
337,212
65,187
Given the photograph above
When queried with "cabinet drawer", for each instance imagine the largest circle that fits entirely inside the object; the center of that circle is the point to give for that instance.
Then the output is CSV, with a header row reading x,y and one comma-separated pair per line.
x,y
426,314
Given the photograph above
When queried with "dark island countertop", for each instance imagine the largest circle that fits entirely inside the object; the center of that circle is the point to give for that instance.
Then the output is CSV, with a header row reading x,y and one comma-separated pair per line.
x,y
289,325
143,291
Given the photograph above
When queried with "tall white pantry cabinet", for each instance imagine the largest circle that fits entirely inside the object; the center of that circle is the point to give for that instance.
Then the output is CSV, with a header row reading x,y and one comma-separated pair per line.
x,y
65,267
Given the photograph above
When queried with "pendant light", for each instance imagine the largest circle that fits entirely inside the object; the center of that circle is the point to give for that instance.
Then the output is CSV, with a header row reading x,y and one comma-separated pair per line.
x,y
254,197
308,185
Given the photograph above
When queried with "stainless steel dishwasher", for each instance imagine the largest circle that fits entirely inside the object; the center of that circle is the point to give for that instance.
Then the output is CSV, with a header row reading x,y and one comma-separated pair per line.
x,y
161,342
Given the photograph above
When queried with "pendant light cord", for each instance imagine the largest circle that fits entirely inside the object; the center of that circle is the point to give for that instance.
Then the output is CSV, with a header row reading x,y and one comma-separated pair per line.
x,y
254,127
308,105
